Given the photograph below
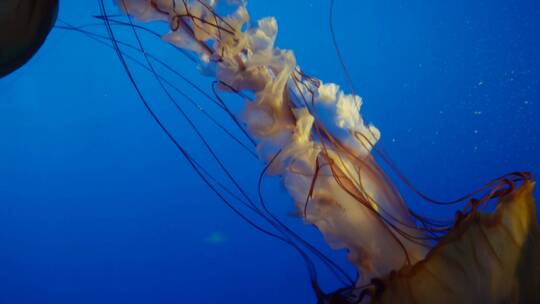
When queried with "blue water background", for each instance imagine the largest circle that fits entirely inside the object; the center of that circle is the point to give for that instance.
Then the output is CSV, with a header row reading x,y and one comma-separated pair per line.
x,y
97,206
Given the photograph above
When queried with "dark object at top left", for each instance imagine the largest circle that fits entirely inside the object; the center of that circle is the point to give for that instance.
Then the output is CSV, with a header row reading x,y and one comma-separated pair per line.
x,y
24,26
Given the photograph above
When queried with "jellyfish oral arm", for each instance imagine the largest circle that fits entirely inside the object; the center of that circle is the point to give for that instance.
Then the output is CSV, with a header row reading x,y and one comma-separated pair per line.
x,y
310,133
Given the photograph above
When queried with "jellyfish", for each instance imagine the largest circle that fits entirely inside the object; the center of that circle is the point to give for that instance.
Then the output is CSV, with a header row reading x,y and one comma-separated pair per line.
x,y
24,26
311,135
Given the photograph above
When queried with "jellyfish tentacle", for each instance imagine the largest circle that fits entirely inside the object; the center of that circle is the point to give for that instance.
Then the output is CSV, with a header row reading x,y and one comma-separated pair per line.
x,y
166,81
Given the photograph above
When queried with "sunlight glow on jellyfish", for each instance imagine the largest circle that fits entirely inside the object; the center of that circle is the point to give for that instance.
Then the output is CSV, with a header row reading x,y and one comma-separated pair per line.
x,y
312,136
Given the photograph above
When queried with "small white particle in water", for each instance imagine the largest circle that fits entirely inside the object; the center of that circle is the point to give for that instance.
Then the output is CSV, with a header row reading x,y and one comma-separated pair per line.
x,y
526,102
480,83
477,112
393,140
475,131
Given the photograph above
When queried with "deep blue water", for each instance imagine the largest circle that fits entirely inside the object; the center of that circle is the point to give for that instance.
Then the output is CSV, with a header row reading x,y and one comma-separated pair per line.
x,y
97,206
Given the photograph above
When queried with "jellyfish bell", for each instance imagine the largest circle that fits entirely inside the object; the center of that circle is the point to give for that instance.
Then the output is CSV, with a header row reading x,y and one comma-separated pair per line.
x,y
486,257
491,257
24,26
